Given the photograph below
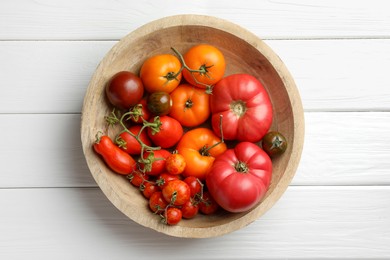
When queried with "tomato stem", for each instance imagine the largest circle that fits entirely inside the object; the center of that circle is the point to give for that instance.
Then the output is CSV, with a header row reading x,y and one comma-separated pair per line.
x,y
205,150
202,70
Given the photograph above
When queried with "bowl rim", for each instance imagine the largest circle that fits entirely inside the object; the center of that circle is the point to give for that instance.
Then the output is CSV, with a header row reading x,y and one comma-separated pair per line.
x,y
291,89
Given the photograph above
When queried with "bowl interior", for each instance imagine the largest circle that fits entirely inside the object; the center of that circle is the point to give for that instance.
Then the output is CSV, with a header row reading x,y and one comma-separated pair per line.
x,y
242,56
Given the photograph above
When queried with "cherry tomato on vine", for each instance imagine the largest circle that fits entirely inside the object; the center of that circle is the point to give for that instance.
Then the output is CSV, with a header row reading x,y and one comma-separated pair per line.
x,y
145,113
118,160
173,216
189,209
137,178
124,89
157,203
190,105
175,164
169,133
156,163
209,60
176,192
194,184
148,189
164,178
129,143
161,73
208,205
197,148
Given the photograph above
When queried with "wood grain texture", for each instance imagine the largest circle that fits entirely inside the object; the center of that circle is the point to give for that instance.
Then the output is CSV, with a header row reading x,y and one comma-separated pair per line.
x,y
309,222
88,19
332,75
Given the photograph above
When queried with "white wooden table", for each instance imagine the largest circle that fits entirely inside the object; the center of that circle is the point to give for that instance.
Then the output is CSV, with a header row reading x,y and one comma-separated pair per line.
x,y
338,204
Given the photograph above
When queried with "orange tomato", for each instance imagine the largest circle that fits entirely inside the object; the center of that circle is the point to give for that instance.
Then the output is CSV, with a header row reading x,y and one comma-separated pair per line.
x,y
161,73
190,105
206,58
195,147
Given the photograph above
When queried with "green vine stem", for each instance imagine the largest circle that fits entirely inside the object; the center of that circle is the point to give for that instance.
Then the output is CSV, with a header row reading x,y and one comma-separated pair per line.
x,y
205,150
201,70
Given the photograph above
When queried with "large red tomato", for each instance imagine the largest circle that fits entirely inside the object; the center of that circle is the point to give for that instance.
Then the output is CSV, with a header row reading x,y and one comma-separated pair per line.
x,y
240,177
245,106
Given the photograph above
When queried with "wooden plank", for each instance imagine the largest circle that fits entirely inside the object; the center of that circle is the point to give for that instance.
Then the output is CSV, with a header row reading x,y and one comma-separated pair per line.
x,y
28,19
34,81
348,148
307,222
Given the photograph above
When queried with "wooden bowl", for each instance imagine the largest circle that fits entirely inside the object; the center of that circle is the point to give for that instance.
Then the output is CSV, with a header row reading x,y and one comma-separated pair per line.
x,y
245,53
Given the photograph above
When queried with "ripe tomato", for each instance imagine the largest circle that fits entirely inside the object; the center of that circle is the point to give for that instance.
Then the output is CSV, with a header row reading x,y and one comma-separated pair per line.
x,y
159,103
175,164
148,189
124,90
169,134
176,192
206,58
164,178
208,205
145,113
129,143
274,143
157,162
118,161
190,105
161,73
240,177
245,106
137,178
172,216
157,203
194,184
189,209
195,147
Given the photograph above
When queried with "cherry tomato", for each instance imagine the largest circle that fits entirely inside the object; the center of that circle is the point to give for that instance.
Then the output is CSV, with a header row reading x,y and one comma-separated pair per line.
x,y
148,189
189,209
157,159
157,203
173,216
161,73
274,143
195,147
190,105
129,143
194,184
176,192
118,160
164,178
137,178
169,134
208,205
145,113
240,177
159,103
207,59
124,90
175,164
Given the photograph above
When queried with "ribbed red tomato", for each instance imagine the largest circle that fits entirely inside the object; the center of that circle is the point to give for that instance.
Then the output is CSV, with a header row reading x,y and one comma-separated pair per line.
x,y
245,106
240,177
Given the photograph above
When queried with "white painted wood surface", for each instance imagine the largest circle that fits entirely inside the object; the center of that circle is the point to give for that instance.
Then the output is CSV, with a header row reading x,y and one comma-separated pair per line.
x,y
338,205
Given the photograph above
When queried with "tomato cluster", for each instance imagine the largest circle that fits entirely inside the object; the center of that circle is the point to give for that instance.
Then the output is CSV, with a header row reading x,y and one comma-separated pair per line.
x,y
188,151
